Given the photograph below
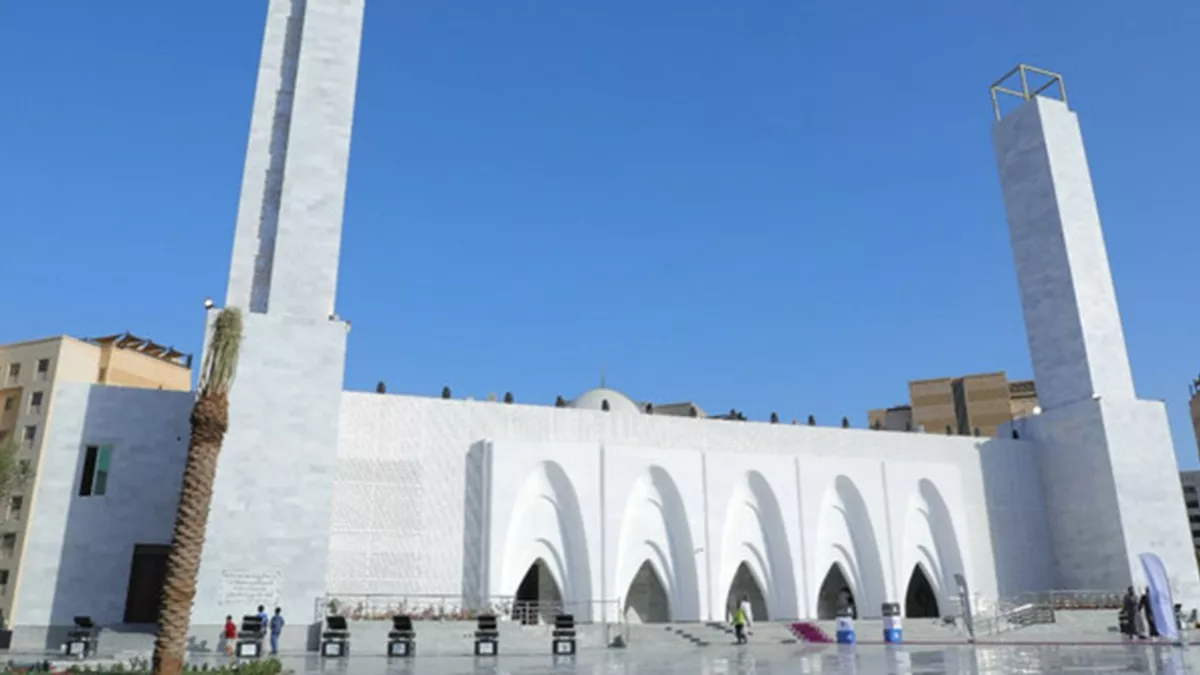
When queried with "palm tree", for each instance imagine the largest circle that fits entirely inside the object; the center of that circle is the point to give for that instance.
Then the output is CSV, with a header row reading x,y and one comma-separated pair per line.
x,y
209,420
774,418
508,397
445,392
845,423
812,421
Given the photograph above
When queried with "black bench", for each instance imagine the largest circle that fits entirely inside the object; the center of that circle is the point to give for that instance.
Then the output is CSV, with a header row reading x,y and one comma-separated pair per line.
x,y
335,640
250,637
487,636
83,639
563,638
402,639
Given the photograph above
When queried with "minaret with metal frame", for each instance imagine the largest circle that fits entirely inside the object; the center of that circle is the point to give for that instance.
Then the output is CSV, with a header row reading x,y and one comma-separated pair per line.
x,y
1108,467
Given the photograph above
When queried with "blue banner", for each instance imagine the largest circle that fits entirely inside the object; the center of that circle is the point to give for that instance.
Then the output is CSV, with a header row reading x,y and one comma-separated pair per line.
x,y
1162,605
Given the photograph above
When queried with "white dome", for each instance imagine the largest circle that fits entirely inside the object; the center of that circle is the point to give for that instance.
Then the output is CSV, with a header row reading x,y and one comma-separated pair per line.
x,y
594,400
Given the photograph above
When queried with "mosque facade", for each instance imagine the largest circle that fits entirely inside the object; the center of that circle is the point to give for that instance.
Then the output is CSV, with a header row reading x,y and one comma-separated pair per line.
x,y
328,499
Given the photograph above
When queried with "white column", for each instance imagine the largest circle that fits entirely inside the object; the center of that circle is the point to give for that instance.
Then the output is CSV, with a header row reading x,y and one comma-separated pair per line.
x,y
1107,463
267,540
1070,307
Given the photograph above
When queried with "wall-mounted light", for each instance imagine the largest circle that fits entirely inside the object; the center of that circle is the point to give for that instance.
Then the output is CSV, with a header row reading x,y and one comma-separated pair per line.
x,y
208,303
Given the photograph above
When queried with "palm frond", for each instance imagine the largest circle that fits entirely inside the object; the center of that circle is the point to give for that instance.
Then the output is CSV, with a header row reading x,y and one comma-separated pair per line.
x,y
220,361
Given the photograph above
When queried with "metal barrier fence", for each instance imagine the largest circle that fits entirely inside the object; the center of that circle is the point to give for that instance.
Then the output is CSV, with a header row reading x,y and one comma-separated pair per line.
x,y
1035,608
435,607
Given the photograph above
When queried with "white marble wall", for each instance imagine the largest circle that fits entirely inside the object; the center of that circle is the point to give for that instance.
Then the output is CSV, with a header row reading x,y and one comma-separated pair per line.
x,y
288,235
272,499
1070,307
1105,457
403,470
79,549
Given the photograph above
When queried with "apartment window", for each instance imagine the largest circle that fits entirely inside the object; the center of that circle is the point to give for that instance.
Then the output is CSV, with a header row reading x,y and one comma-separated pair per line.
x,y
10,402
3,582
35,403
1189,489
96,460
1193,504
1194,519
14,372
8,546
16,504
30,435
43,369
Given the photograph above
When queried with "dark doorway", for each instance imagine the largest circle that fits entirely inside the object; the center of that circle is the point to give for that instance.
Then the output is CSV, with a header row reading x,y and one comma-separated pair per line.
x,y
744,585
646,601
920,602
147,573
538,595
835,595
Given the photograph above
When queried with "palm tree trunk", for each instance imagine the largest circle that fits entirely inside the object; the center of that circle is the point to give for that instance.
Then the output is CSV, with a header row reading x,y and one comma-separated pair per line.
x,y
210,419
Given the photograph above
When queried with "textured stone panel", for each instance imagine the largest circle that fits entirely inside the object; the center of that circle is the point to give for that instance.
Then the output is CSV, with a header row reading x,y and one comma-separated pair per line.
x,y
438,435
79,549
1071,320
272,505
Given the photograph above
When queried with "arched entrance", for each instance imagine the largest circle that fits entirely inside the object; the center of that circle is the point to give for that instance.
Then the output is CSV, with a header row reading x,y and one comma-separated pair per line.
x,y
835,595
646,601
746,587
920,602
538,596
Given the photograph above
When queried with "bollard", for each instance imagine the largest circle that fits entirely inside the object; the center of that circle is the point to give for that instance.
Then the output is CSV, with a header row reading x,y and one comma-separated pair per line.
x,y
845,627
893,634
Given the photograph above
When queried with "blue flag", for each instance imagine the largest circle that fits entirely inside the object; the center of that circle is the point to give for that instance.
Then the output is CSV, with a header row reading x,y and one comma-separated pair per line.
x,y
1162,605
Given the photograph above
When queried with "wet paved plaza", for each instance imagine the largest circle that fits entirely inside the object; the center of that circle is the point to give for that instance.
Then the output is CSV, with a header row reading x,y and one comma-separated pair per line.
x,y
768,660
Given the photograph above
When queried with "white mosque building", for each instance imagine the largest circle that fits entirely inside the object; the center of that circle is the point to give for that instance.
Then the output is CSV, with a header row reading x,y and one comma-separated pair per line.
x,y
601,506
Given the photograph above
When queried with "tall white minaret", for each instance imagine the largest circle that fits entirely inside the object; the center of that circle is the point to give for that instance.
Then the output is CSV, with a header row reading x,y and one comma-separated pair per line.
x,y
289,222
1109,475
267,539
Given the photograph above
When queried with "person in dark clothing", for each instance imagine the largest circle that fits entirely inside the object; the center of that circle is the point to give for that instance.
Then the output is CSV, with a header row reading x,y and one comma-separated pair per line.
x,y
1144,605
1129,610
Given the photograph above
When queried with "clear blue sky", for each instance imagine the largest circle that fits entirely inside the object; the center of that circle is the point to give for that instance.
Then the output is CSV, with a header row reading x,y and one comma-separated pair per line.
x,y
774,206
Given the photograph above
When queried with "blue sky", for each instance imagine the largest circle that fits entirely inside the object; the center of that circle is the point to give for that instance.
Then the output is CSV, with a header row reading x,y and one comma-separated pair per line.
x,y
773,206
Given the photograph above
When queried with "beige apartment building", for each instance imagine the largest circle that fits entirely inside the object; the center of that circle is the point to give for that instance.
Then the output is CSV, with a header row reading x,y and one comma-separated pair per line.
x,y
971,405
1194,404
29,373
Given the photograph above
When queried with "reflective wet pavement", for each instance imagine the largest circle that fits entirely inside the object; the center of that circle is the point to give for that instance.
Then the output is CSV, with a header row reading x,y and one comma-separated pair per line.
x,y
764,660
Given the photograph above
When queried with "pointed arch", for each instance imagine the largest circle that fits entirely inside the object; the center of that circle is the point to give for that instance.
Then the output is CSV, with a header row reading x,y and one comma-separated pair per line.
x,y
836,593
846,536
538,596
746,586
655,527
931,542
547,526
920,599
756,537
646,600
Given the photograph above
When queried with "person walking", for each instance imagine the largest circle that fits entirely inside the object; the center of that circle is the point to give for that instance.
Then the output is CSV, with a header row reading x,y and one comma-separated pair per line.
x,y
739,625
276,629
1145,606
1129,611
